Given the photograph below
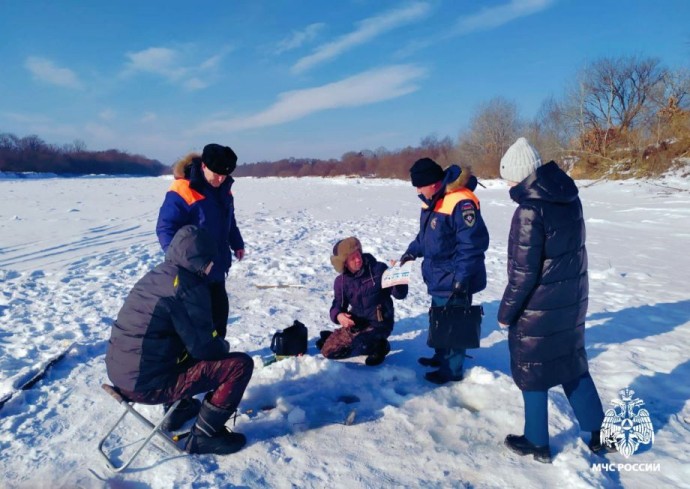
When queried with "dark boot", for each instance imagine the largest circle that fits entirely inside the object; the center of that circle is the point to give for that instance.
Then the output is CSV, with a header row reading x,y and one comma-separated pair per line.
x,y
209,434
429,362
597,446
382,349
441,377
522,446
187,409
324,336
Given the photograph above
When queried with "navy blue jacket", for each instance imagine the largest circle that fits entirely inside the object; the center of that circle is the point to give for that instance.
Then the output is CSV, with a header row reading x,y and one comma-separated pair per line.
x,y
360,294
545,302
166,320
192,200
452,237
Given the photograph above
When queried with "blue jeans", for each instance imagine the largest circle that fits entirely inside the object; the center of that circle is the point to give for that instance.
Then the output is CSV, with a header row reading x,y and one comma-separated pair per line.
x,y
584,399
452,361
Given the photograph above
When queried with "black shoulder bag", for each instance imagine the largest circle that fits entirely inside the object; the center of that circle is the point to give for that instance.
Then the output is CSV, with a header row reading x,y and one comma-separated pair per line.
x,y
291,341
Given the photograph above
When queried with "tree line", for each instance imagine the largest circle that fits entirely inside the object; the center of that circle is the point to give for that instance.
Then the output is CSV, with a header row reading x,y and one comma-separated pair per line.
x,y
620,117
32,154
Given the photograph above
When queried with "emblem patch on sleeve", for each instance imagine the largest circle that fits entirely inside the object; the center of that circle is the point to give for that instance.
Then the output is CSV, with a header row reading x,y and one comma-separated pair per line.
x,y
469,217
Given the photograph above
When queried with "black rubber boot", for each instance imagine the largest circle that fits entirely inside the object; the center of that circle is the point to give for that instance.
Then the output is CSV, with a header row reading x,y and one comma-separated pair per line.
x,y
187,409
441,377
382,349
429,362
522,446
209,434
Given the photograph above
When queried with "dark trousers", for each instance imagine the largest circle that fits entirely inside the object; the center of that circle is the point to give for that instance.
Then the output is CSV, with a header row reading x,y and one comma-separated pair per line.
x,y
357,340
220,307
583,397
226,380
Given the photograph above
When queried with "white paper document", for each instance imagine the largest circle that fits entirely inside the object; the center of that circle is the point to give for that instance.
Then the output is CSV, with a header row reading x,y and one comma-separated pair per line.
x,y
397,275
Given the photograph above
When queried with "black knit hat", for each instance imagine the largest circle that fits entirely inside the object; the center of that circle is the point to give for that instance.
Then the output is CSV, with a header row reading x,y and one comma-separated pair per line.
x,y
425,171
219,159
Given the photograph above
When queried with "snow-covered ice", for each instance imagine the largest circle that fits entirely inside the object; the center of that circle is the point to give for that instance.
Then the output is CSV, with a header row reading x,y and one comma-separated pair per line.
x,y
72,248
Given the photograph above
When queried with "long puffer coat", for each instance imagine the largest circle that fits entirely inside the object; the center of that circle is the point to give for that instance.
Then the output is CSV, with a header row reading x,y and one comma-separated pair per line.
x,y
545,302
166,321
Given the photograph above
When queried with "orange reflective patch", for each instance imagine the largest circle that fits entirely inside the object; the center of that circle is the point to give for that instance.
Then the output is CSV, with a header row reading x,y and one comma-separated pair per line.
x,y
182,188
451,199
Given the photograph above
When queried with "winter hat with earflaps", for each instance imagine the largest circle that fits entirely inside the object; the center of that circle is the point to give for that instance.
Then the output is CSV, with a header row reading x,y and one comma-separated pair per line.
x,y
219,159
520,161
425,171
343,249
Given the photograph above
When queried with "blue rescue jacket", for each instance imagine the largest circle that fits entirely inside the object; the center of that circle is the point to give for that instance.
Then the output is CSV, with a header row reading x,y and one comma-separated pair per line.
x,y
452,237
192,200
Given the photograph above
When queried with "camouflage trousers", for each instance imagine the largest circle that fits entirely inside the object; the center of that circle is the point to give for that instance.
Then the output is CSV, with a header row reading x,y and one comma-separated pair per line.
x,y
225,380
351,342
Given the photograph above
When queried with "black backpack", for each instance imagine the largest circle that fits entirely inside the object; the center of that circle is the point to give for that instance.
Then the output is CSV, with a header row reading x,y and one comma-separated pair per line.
x,y
291,341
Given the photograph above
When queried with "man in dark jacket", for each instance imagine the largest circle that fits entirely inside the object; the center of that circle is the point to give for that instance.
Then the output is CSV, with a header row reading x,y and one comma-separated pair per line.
x,y
164,346
545,302
362,308
452,239
201,195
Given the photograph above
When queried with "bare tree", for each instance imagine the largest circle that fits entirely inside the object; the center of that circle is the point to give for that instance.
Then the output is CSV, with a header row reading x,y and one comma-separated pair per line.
x,y
493,128
611,97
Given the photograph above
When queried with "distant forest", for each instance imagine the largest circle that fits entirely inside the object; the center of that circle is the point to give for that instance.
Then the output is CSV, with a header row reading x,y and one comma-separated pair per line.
x,y
32,154
618,118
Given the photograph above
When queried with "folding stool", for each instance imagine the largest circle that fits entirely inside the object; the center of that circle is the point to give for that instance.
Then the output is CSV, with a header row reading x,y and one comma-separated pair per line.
x,y
129,408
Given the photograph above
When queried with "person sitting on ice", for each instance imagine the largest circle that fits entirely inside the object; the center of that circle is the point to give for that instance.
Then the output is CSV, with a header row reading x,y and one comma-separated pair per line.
x,y
360,306
163,345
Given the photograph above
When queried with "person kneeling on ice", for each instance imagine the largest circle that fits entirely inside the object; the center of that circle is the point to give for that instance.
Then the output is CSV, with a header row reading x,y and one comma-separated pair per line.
x,y
360,305
163,345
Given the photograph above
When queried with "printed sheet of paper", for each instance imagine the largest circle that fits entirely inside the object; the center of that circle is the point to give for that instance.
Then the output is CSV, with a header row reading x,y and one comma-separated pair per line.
x,y
397,275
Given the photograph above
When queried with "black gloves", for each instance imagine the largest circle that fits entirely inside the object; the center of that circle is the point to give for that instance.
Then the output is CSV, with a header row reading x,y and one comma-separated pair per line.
x,y
459,288
405,258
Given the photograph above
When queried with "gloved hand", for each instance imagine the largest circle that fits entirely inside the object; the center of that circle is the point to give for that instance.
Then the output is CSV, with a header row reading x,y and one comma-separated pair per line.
x,y
405,258
460,292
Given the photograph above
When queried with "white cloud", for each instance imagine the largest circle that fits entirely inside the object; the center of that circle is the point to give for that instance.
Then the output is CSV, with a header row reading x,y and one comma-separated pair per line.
x,y
160,61
107,114
169,64
492,17
148,117
367,30
46,71
362,89
488,18
298,38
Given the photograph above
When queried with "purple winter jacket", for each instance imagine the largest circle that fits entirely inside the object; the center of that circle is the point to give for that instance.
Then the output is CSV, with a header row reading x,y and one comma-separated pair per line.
x,y
361,294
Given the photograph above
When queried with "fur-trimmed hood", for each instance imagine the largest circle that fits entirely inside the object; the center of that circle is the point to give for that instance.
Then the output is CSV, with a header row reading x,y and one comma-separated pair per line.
x,y
182,167
456,177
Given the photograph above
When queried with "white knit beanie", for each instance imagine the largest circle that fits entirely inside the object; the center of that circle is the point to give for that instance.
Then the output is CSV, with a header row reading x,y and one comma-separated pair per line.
x,y
520,161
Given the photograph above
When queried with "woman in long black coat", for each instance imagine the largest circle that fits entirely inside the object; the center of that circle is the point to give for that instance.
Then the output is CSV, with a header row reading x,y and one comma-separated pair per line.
x,y
545,302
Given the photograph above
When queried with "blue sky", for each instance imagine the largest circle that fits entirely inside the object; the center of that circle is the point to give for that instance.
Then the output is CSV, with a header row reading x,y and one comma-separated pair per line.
x,y
302,78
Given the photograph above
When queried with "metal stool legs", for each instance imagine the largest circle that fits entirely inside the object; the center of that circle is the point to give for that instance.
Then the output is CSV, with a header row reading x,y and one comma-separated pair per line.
x,y
155,429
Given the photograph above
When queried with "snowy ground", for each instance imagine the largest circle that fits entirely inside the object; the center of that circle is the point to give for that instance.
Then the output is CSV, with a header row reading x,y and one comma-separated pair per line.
x,y
72,248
